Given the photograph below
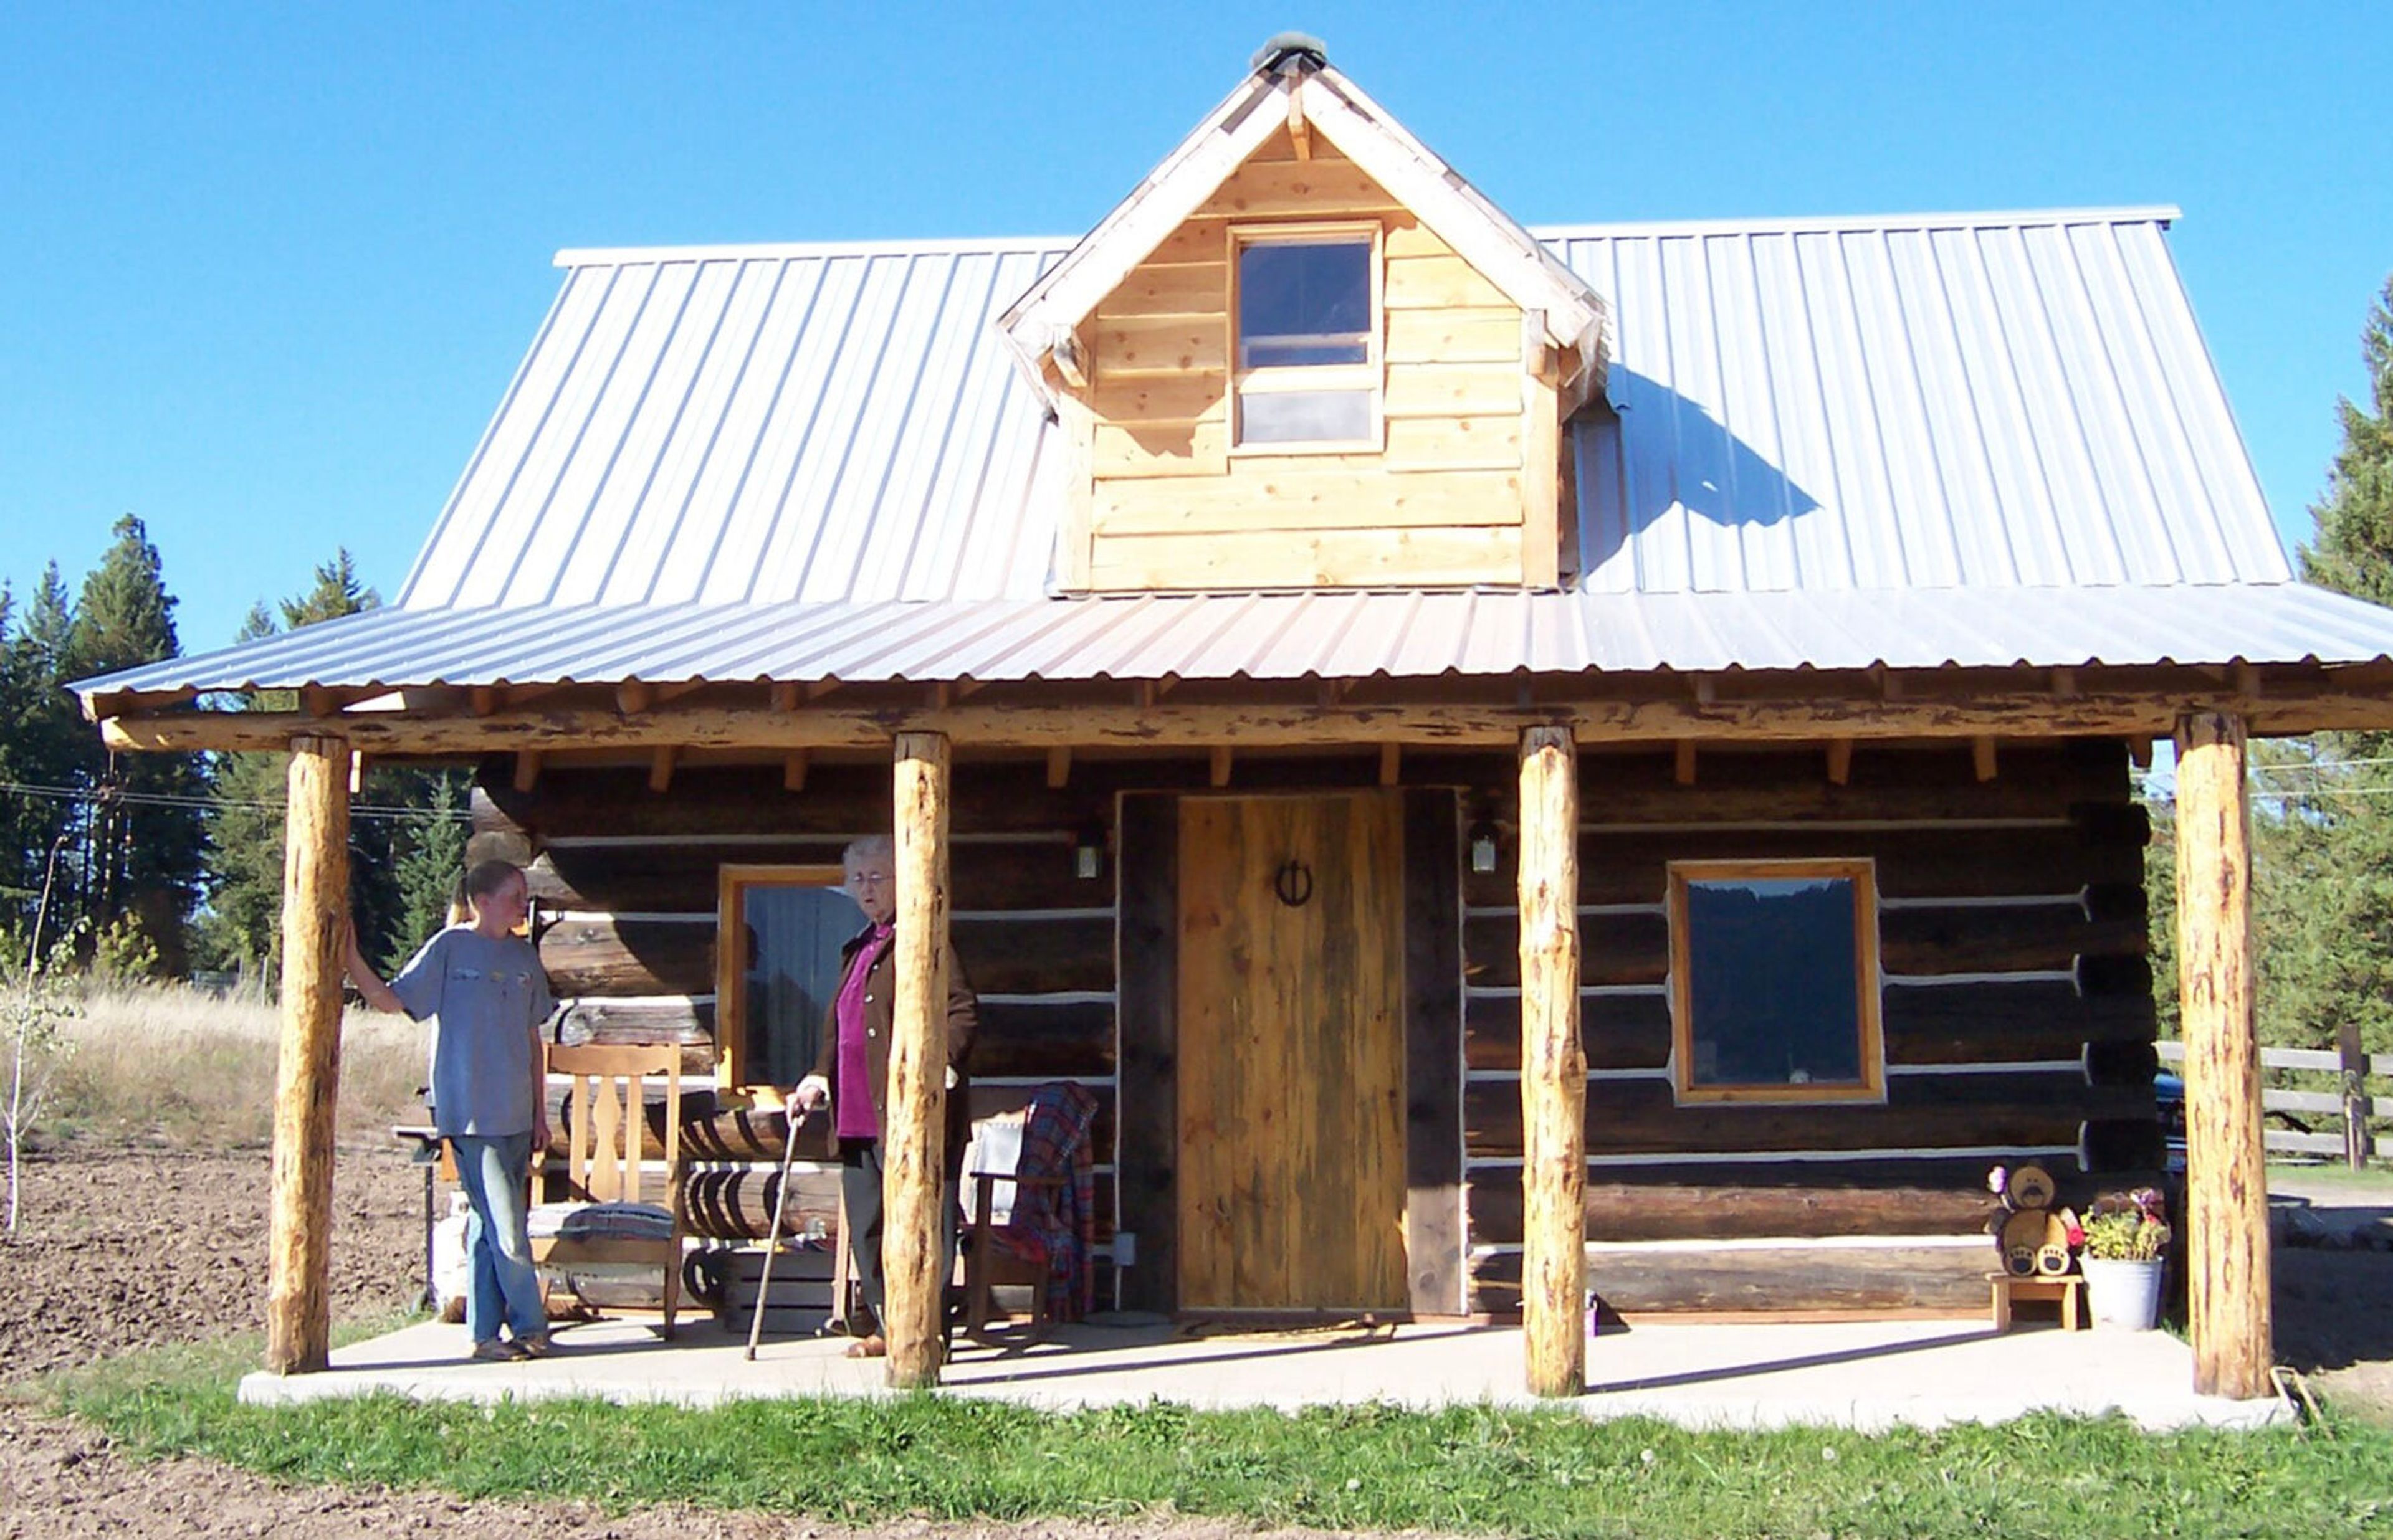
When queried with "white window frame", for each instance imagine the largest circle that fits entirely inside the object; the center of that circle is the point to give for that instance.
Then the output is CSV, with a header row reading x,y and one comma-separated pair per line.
x,y
1370,376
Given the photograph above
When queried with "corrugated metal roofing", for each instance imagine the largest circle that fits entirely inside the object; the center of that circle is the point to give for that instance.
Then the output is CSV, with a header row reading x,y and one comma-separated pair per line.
x,y
759,426
1948,402
1969,400
1294,636
1968,439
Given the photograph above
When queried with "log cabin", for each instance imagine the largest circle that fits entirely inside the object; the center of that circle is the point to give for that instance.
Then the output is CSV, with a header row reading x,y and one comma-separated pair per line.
x,y
1514,763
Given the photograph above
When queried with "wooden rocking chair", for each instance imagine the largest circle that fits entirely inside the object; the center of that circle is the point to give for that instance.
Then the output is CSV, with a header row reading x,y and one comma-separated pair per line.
x,y
604,1223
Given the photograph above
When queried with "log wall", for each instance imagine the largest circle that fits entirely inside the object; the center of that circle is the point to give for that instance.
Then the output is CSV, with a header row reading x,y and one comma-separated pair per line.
x,y
2018,1021
2017,1006
624,881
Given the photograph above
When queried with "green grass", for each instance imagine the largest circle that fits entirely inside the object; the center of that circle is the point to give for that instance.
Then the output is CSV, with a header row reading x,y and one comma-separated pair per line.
x,y
1474,1470
2374,1183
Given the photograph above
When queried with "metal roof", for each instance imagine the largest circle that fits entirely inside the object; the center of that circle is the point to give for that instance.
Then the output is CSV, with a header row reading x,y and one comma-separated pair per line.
x,y
1944,401
1299,635
1964,439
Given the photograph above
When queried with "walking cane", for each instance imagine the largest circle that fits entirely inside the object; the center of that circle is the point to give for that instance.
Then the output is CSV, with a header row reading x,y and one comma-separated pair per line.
x,y
773,1241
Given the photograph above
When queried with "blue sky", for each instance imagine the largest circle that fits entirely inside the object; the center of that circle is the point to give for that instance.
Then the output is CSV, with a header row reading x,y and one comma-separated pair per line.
x,y
265,270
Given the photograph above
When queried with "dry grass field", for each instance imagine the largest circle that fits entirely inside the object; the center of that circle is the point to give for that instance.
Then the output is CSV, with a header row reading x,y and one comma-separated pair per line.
x,y
163,1065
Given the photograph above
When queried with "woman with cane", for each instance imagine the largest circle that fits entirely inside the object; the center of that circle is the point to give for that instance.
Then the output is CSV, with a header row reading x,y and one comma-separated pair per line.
x,y
851,1076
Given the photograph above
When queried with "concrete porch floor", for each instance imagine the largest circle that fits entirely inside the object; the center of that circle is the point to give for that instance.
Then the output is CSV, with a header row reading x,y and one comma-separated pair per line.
x,y
1860,1375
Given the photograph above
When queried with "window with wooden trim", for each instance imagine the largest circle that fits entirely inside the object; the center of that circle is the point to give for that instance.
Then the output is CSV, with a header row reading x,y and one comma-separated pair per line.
x,y
1305,345
777,968
1774,982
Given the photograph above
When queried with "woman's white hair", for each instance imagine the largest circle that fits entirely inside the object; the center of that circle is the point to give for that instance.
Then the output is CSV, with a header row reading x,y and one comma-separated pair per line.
x,y
867,848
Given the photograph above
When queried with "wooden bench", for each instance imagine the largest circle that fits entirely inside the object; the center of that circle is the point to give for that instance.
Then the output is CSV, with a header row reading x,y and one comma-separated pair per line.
x,y
2069,1288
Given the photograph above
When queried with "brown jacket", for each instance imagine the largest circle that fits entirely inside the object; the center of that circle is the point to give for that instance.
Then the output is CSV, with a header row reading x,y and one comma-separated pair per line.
x,y
879,1018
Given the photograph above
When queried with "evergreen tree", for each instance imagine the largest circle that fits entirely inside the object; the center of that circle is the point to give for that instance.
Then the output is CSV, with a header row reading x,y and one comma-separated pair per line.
x,y
431,860
146,844
2354,552
43,744
405,843
238,931
2322,828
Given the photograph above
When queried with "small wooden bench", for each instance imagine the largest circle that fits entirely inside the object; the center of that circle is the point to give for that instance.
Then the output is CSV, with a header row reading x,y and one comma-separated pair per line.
x,y
2069,1288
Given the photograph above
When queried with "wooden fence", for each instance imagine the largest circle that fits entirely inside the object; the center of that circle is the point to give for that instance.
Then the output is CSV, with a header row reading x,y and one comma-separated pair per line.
x,y
2345,1112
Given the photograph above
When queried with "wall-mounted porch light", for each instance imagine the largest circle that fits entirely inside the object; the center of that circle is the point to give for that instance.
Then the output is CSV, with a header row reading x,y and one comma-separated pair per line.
x,y
1483,839
1089,851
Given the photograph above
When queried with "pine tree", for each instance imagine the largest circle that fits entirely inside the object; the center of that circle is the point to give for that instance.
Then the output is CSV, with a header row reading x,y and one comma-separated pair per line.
x,y
43,742
431,859
2354,553
2323,836
405,844
146,846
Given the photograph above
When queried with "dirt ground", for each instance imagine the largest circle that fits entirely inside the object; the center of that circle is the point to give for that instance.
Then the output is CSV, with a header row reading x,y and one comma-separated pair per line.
x,y
125,1250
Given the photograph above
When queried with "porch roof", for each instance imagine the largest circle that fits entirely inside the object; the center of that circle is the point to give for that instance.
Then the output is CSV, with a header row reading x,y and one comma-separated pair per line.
x,y
1284,636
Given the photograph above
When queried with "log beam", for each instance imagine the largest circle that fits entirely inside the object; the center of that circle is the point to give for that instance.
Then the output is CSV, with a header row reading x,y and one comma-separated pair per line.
x,y
912,1249
315,895
2227,1192
1428,726
1840,761
1553,1077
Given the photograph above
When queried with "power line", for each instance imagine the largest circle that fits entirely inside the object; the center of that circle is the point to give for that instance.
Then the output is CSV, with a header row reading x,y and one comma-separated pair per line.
x,y
167,799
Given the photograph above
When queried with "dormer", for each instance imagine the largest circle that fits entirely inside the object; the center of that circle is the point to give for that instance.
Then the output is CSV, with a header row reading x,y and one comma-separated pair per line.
x,y
1306,354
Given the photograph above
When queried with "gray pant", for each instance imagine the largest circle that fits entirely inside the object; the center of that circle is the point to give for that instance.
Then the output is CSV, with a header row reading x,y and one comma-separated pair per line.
x,y
859,1187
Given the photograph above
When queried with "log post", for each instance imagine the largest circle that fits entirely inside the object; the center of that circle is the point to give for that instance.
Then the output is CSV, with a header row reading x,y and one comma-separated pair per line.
x,y
315,895
2227,1187
1553,1069
911,1247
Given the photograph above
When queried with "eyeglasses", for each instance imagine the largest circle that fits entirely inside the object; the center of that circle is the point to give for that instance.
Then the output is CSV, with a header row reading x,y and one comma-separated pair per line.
x,y
869,879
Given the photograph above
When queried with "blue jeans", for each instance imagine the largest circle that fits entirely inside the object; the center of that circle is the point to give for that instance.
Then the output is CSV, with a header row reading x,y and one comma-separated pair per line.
x,y
496,1174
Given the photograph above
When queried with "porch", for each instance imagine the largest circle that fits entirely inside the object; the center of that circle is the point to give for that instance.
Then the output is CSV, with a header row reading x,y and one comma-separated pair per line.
x,y
1864,1375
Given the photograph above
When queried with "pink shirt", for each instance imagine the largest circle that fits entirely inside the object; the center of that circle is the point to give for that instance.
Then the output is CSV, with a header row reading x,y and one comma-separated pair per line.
x,y
854,1117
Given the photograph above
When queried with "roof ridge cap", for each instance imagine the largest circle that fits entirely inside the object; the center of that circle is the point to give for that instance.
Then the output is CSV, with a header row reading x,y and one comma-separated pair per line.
x,y
2123,214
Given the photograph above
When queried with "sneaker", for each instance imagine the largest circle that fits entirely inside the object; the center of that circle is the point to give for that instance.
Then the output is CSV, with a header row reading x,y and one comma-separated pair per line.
x,y
875,1346
495,1351
537,1345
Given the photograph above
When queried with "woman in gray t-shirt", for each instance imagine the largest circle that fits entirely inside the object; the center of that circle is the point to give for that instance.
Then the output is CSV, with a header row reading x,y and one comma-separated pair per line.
x,y
483,986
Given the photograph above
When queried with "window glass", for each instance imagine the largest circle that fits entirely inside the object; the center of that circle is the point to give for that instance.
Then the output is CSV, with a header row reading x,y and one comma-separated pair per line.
x,y
1773,993
793,934
1304,303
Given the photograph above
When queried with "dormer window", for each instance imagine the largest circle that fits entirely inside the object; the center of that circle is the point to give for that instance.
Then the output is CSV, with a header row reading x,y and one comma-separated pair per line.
x,y
1306,359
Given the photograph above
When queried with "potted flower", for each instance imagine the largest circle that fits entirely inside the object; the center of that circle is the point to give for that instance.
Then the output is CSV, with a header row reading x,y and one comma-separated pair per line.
x,y
2126,1239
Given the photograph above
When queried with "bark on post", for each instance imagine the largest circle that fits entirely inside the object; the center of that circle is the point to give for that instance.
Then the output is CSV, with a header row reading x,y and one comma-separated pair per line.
x,y
1553,1069
911,1248
2227,1195
315,893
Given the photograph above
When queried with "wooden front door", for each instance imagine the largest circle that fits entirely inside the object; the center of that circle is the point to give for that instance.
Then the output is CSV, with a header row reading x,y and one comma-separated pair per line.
x,y
1292,1054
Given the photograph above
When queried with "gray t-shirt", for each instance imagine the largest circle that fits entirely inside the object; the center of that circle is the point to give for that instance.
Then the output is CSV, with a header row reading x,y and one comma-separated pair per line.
x,y
489,994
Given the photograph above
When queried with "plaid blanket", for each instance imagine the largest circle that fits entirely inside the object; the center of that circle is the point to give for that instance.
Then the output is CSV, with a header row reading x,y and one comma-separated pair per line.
x,y
1057,1225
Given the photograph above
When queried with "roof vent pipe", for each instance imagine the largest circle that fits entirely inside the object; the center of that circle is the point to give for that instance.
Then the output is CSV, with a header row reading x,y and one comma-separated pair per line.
x,y
1290,53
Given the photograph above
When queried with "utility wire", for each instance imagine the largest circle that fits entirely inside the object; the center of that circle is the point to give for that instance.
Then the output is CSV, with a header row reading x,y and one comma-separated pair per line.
x,y
166,799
